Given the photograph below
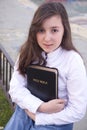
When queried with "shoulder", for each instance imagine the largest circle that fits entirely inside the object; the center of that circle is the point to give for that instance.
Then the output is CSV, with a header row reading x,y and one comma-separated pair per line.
x,y
72,56
74,61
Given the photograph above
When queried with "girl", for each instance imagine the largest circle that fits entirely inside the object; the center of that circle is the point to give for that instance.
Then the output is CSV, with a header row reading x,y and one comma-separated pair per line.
x,y
49,43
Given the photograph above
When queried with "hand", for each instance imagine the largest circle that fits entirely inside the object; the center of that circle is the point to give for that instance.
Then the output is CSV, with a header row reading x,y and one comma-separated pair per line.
x,y
30,114
52,106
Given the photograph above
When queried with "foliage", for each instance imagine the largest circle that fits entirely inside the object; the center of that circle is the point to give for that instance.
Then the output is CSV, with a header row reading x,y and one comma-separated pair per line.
x,y
5,109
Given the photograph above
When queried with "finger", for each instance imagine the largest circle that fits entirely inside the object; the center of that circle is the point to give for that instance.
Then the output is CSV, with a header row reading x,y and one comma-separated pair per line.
x,y
61,101
26,110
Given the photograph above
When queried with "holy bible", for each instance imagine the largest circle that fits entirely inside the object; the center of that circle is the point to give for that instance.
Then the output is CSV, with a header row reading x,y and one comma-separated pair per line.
x,y
43,82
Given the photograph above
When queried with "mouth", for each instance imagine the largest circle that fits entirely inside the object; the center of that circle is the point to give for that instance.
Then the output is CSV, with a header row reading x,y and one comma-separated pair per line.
x,y
48,45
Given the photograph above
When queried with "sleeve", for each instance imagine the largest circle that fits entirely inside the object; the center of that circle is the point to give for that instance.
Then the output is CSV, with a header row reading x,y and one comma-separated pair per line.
x,y
20,94
77,97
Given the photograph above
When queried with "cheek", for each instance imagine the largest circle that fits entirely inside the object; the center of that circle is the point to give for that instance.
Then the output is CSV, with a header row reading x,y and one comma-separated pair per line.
x,y
38,37
60,37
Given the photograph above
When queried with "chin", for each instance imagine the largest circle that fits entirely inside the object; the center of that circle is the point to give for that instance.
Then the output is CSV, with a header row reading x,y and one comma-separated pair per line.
x,y
48,51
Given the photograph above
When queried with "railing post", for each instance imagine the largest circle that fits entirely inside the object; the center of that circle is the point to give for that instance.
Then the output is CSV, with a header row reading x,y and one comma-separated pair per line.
x,y
0,64
6,67
3,68
10,72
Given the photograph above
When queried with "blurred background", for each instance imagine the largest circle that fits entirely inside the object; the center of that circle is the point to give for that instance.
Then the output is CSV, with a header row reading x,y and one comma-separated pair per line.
x,y
15,19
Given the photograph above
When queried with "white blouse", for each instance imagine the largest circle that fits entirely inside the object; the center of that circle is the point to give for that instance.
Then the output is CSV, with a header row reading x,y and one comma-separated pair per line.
x,y
72,86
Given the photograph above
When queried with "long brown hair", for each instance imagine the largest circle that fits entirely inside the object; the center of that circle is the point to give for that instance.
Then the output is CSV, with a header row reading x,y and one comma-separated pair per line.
x,y
30,50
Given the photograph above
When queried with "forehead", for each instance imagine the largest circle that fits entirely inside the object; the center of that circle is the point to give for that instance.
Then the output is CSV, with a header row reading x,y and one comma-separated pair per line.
x,y
52,21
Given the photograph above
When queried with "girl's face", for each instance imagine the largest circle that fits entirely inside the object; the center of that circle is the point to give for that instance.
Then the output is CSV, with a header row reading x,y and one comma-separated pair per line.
x,y
49,36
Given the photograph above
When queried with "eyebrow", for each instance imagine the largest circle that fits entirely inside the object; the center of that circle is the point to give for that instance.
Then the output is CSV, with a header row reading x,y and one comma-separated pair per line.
x,y
52,27
55,27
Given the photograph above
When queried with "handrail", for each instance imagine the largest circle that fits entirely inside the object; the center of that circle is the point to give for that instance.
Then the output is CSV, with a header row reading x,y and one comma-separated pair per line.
x,y
6,69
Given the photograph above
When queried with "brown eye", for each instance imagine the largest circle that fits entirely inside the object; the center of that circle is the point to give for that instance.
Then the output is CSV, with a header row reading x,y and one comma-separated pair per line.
x,y
55,30
41,30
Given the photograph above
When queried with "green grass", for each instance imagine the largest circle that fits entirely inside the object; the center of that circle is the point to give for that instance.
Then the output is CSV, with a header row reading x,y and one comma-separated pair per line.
x,y
5,109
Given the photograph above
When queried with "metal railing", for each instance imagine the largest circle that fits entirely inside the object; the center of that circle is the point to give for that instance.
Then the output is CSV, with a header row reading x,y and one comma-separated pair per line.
x,y
6,69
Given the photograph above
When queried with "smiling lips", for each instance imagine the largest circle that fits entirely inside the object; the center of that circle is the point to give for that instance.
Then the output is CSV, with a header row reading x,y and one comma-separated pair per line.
x,y
47,45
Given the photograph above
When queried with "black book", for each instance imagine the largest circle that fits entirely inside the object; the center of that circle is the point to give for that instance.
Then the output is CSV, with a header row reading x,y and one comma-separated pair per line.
x,y
43,82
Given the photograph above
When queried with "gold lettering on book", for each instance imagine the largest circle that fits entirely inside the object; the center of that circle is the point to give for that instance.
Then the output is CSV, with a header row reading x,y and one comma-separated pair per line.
x,y
40,81
43,82
36,80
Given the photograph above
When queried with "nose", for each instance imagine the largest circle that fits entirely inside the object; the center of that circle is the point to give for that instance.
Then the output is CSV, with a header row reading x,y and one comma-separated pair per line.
x,y
47,36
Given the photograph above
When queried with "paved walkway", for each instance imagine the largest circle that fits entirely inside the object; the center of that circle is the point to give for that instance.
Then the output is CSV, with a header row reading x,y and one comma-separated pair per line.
x,y
16,16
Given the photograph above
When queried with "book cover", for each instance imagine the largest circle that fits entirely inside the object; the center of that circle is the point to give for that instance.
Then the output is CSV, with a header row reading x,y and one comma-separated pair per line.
x,y
43,82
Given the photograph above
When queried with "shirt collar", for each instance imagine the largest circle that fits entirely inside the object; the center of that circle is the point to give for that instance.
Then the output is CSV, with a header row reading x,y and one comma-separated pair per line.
x,y
53,54
56,52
